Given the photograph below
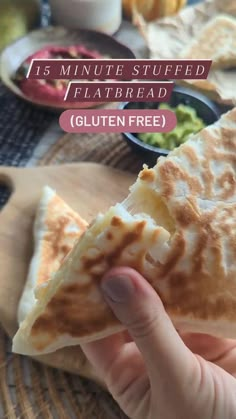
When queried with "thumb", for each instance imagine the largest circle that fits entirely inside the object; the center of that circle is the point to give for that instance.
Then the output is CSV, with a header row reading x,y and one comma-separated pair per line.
x,y
140,310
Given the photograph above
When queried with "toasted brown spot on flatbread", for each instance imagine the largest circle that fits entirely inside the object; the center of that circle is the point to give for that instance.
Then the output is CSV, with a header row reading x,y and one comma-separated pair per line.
x,y
186,214
109,235
89,261
178,282
191,155
62,319
228,183
65,249
147,175
171,173
155,235
116,221
126,240
44,323
198,253
177,250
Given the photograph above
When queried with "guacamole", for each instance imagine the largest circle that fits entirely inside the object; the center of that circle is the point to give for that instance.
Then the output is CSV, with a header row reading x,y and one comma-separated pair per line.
x,y
187,123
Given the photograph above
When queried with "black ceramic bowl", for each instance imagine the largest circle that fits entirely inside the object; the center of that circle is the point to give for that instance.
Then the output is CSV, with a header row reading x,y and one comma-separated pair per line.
x,y
204,107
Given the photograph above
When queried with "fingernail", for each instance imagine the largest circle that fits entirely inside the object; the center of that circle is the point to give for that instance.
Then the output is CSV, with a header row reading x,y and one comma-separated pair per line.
x,y
118,289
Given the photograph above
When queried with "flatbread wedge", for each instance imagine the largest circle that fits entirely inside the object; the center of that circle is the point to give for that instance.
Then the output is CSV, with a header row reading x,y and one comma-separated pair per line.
x,y
177,227
216,41
56,228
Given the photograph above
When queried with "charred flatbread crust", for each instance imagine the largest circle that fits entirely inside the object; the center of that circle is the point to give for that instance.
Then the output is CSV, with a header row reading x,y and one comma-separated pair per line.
x,y
56,228
177,228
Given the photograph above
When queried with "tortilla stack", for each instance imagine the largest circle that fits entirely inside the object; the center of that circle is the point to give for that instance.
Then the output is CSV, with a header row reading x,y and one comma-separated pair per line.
x,y
216,41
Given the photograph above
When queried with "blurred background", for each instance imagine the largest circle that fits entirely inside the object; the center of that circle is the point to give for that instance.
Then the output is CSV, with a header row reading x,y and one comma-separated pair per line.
x,y
22,125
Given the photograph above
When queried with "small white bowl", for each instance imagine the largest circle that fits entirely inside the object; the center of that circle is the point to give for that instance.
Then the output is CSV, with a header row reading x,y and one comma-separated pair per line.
x,y
101,15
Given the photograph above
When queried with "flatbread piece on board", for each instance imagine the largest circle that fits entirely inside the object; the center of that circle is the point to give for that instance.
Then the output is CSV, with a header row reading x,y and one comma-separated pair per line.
x,y
216,41
177,228
56,228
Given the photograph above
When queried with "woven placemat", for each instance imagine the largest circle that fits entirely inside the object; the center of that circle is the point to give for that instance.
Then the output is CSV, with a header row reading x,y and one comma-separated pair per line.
x,y
109,149
21,128
27,388
31,390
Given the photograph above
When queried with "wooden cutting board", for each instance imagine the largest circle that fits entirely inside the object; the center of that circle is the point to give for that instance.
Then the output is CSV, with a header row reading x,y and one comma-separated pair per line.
x,y
86,187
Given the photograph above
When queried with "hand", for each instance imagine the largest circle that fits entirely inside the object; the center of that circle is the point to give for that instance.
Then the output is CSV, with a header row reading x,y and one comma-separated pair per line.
x,y
150,370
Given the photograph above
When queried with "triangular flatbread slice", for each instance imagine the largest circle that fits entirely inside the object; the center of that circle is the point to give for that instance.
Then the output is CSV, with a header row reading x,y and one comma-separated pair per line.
x,y
177,228
56,228
216,41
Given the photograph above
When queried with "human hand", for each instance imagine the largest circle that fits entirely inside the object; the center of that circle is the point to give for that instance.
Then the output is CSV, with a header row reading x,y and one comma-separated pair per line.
x,y
151,371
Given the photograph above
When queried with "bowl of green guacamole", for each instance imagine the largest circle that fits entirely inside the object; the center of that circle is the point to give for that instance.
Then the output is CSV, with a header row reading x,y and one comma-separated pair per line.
x,y
193,110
